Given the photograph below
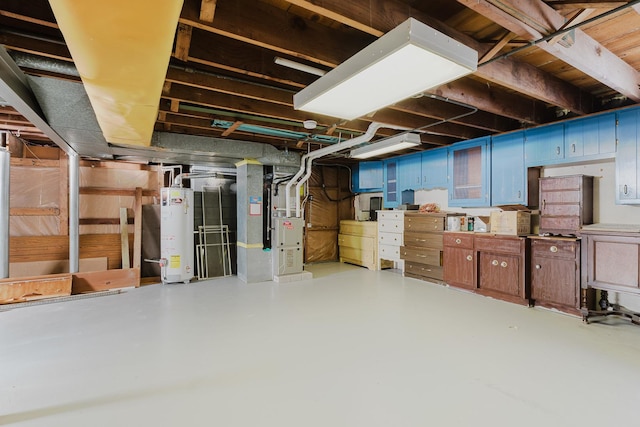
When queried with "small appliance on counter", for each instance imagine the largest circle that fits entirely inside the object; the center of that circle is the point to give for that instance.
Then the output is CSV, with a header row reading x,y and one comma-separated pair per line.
x,y
375,204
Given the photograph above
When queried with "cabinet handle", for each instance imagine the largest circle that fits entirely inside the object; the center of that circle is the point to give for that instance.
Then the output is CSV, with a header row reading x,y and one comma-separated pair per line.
x,y
558,150
573,148
469,258
519,194
494,262
458,241
553,249
544,203
421,240
421,256
503,264
625,189
538,266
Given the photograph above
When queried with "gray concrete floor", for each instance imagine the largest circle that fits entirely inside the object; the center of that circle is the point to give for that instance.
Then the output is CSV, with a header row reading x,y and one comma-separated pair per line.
x,y
349,348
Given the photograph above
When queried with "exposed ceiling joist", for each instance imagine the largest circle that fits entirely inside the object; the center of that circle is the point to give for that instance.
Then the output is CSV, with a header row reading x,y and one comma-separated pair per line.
x,y
534,20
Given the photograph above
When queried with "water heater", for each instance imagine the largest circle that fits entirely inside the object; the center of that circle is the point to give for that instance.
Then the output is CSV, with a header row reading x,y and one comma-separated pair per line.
x,y
176,235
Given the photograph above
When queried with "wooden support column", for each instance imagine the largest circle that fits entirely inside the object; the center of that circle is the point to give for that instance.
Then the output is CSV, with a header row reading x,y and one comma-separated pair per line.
x,y
137,232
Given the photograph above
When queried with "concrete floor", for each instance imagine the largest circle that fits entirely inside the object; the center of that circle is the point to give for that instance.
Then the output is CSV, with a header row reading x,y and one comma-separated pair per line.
x,y
349,348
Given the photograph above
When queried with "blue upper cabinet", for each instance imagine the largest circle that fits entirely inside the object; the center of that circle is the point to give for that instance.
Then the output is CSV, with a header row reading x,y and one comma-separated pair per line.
x,y
508,172
544,145
434,169
391,195
409,172
469,165
590,137
627,177
369,177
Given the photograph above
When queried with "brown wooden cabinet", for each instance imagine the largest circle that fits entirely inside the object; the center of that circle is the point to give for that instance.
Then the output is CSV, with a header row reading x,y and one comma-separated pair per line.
x,y
555,273
610,262
459,266
422,250
503,267
566,203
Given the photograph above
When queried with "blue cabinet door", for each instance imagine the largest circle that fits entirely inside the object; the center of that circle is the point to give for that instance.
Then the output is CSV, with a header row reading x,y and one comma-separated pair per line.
x,y
627,157
409,172
590,138
370,176
391,197
544,145
508,172
434,169
470,173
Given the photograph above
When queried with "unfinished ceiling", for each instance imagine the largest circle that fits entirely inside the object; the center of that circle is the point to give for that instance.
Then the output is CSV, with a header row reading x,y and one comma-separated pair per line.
x,y
222,80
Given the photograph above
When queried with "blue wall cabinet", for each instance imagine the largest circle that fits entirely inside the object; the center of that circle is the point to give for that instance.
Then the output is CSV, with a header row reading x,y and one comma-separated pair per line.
x,y
508,172
627,178
544,145
391,196
434,169
409,172
590,137
470,171
369,177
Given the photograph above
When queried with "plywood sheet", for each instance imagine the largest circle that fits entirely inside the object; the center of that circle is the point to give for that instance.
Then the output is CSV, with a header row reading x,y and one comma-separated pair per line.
x,y
25,269
34,288
105,280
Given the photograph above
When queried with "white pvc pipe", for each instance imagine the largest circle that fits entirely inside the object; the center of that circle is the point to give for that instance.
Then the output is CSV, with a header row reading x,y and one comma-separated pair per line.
x,y
177,181
308,159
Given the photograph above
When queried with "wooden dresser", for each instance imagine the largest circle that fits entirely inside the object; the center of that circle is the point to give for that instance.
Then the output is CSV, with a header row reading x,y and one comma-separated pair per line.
x,y
423,245
358,243
566,203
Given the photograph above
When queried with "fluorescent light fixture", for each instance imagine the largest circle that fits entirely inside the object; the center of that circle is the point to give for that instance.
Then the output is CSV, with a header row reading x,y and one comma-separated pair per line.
x,y
406,61
298,66
388,145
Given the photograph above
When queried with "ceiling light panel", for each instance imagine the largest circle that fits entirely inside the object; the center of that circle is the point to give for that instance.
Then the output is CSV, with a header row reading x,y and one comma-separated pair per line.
x,y
406,61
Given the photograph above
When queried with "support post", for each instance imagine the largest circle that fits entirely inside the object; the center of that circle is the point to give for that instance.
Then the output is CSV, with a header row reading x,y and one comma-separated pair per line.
x,y
74,213
254,263
5,163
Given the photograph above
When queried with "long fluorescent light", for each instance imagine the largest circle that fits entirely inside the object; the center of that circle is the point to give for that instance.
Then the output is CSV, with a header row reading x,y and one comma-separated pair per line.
x,y
406,61
298,66
388,145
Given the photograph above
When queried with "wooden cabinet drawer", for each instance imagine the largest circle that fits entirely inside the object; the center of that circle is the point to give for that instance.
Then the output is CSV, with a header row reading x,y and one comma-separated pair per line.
x,y
423,240
358,242
421,255
389,252
357,256
560,197
559,223
573,182
499,244
458,240
423,270
424,222
390,239
553,248
390,226
391,215
359,228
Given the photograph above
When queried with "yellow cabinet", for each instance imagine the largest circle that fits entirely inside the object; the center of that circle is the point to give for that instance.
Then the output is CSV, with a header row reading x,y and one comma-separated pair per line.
x,y
358,243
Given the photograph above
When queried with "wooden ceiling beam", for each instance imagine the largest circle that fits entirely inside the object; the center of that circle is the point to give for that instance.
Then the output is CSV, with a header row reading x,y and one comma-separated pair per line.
x,y
384,15
207,10
533,20
183,41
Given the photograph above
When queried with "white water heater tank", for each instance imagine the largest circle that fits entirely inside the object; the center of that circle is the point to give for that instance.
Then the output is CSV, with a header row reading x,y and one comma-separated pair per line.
x,y
176,235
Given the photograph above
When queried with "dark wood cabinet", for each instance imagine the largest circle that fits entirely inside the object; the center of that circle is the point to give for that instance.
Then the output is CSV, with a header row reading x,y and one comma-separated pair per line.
x,y
555,273
566,203
503,267
459,260
422,250
610,262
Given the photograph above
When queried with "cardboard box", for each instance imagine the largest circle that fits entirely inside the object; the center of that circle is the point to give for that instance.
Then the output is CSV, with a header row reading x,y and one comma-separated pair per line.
x,y
512,220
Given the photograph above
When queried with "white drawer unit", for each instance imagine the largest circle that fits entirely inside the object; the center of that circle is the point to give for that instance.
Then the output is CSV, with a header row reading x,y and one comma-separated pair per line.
x,y
391,236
